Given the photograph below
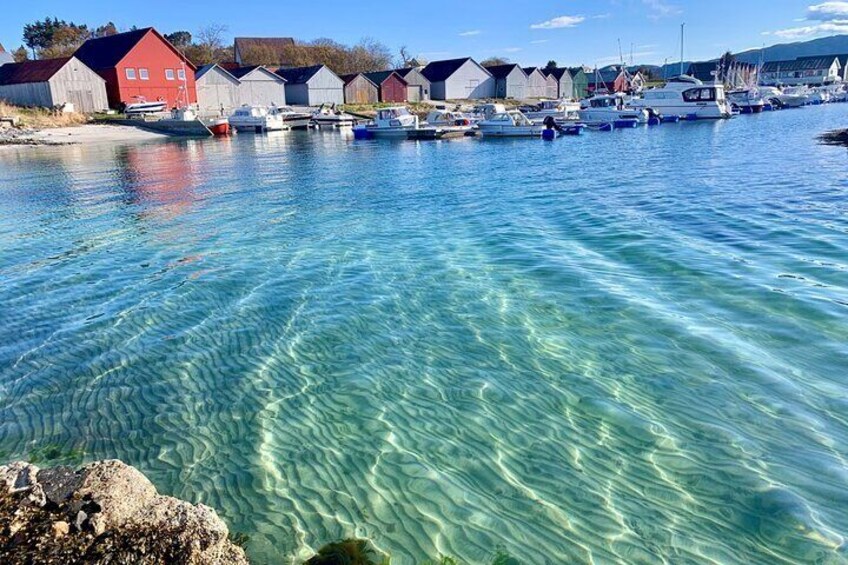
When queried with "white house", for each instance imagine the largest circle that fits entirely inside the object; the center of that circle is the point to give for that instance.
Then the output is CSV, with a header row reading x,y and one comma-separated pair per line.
x,y
260,87
510,81
53,82
813,71
312,86
459,79
537,83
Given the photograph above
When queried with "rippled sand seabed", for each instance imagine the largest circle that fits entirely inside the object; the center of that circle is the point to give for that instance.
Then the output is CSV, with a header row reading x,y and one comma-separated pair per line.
x,y
623,348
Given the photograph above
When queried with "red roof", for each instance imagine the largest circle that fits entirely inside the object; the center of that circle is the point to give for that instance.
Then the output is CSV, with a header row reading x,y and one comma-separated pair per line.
x,y
31,71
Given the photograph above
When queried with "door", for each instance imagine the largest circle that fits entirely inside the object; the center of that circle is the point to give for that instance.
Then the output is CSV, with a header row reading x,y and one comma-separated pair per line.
x,y
413,93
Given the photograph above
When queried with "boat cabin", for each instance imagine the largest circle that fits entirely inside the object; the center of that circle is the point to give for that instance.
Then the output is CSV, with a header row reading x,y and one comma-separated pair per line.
x,y
397,116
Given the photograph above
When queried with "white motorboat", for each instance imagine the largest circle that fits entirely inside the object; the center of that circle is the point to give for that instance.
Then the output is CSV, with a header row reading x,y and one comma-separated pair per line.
x,y
329,116
792,97
686,97
486,111
610,109
450,121
747,101
141,106
560,110
511,123
292,119
390,123
256,119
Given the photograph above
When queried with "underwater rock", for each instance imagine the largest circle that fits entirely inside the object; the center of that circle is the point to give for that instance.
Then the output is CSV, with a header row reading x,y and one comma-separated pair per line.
x,y
106,512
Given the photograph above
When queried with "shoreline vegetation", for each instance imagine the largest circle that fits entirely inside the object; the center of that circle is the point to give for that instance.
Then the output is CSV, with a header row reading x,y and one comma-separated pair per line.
x,y
109,512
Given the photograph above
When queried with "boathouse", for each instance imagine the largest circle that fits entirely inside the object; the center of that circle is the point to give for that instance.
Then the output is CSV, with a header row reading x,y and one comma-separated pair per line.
x,y
259,86
49,83
217,90
564,84
359,89
5,56
140,64
312,86
392,87
580,82
418,87
271,51
537,83
459,79
510,81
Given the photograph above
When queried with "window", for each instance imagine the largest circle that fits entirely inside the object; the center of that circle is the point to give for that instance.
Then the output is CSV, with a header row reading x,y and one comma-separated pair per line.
x,y
142,74
130,74
169,74
181,74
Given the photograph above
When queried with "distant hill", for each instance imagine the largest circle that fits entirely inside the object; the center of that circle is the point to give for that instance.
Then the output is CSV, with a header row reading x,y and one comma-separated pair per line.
x,y
834,45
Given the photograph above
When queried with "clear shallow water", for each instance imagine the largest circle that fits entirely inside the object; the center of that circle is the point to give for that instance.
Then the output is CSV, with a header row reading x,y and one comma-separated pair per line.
x,y
629,347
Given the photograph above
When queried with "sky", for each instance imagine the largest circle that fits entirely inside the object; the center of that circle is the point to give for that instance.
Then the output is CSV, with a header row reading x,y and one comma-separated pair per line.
x,y
570,32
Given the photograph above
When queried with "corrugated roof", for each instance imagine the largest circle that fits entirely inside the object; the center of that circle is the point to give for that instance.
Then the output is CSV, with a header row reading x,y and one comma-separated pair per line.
x,y
299,75
380,77
31,71
106,52
442,70
802,64
502,71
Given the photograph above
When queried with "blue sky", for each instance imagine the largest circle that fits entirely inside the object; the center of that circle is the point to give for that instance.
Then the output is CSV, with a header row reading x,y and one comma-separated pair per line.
x,y
570,32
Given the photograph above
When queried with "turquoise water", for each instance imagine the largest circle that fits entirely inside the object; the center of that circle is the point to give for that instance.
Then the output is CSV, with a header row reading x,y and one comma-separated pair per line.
x,y
623,348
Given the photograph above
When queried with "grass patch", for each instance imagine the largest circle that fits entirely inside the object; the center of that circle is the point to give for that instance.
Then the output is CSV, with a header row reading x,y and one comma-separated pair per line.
x,y
41,118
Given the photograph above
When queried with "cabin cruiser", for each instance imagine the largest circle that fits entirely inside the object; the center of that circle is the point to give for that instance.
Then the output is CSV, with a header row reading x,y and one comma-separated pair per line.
x,y
748,101
331,117
559,109
687,97
510,123
390,123
486,111
291,118
256,119
793,97
610,109
450,121
141,106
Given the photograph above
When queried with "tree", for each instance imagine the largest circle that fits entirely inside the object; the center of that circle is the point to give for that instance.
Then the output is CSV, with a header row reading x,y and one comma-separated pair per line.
x,y
20,54
105,30
551,65
179,39
494,61
39,34
66,40
210,40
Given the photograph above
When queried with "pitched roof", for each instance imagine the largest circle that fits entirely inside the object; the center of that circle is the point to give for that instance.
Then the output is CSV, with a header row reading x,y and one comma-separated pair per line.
x,y
241,72
380,77
502,71
106,52
352,77
6,57
574,71
557,72
2,49
530,70
207,68
31,71
275,45
299,75
801,64
442,70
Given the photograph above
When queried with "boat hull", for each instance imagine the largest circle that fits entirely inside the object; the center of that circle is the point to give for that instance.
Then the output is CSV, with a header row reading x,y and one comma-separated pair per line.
x,y
511,131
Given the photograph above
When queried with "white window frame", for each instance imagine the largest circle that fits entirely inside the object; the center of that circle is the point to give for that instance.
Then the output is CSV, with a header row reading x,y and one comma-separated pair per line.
x,y
143,74
181,74
130,73
169,74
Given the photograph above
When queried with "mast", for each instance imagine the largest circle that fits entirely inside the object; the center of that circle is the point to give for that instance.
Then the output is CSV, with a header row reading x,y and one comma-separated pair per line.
x,y
683,25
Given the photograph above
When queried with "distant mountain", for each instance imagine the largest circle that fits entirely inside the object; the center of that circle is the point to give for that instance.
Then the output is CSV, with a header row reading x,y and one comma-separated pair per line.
x,y
834,45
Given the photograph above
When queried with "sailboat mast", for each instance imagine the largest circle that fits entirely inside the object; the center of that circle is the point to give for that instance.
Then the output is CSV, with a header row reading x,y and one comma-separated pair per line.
x,y
681,46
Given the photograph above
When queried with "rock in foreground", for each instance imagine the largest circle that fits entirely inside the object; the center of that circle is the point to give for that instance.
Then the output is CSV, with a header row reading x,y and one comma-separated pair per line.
x,y
106,512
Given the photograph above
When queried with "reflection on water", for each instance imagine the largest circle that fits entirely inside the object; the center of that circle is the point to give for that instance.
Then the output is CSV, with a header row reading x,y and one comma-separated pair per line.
x,y
620,348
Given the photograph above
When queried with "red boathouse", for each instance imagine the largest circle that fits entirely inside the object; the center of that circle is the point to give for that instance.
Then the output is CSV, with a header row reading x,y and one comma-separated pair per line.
x,y
392,87
140,64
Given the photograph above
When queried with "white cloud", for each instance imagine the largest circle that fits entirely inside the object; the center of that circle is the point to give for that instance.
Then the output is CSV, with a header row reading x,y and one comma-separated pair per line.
x,y
539,41
559,22
511,49
617,58
828,11
661,8
808,31
470,33
824,18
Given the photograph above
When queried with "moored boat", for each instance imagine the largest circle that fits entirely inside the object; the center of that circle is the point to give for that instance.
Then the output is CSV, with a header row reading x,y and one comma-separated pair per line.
x,y
748,101
686,97
329,116
256,119
610,109
141,106
511,123
219,127
391,123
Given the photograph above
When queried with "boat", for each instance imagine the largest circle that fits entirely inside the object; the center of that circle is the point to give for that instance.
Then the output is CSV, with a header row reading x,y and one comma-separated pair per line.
x,y
747,100
450,121
328,116
511,123
486,111
611,109
560,110
256,119
793,97
292,119
687,97
391,123
219,127
141,106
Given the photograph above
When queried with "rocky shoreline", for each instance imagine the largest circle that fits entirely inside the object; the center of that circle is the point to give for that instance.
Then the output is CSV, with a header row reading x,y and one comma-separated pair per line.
x,y
105,512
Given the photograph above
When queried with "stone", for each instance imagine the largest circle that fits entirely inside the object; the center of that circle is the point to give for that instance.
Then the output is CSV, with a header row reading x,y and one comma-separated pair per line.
x,y
79,521
36,496
116,488
18,476
61,529
59,483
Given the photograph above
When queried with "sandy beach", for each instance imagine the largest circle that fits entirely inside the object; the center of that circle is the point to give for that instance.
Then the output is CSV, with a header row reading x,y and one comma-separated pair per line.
x,y
83,134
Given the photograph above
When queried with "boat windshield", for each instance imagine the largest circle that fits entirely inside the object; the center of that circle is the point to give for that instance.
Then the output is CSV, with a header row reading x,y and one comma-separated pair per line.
x,y
704,94
392,113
